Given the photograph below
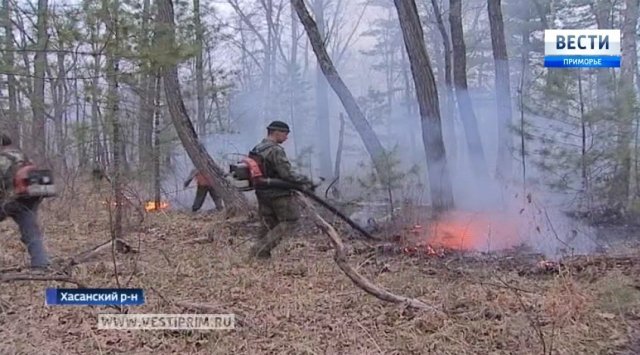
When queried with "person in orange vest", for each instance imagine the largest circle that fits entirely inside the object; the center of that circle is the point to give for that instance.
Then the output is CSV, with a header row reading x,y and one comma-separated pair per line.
x,y
204,186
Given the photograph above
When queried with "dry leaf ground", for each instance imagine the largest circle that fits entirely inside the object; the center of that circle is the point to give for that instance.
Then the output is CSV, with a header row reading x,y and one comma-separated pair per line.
x,y
300,303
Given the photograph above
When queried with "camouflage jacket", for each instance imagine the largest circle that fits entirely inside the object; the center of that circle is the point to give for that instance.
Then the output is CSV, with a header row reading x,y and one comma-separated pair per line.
x,y
276,165
10,160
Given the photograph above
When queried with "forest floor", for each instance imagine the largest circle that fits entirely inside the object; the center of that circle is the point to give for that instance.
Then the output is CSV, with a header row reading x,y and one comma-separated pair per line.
x,y
300,302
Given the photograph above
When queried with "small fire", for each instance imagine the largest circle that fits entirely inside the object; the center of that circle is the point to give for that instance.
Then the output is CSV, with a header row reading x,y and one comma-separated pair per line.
x,y
152,206
459,230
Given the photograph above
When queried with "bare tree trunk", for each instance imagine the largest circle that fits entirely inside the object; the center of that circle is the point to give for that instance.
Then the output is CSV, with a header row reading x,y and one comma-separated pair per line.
x,y
38,128
202,124
145,115
503,89
13,124
97,151
156,146
427,93
602,11
583,135
113,67
235,202
293,81
362,126
81,114
59,96
336,171
622,178
323,135
450,102
469,120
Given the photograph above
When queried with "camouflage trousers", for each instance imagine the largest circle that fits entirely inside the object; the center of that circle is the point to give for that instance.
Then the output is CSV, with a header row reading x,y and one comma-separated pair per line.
x,y
201,194
279,216
25,214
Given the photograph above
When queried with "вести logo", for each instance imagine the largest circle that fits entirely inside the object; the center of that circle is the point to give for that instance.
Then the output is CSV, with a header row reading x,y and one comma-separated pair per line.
x,y
582,48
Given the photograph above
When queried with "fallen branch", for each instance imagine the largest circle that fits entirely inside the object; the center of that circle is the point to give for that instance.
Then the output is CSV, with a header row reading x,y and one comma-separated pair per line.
x,y
85,256
27,277
201,240
360,281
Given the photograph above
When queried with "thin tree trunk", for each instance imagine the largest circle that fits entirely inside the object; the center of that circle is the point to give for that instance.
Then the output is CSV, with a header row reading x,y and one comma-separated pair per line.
x,y
145,115
156,146
336,171
449,123
469,119
622,179
59,94
235,202
362,126
293,82
97,152
583,135
427,93
13,124
38,128
503,89
113,67
202,124
602,11
323,135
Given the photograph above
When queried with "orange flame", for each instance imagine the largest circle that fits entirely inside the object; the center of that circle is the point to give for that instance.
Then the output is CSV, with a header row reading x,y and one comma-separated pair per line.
x,y
482,231
152,206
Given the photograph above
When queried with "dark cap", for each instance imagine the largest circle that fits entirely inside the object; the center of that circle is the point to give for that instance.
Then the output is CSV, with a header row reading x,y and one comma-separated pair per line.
x,y
5,140
278,126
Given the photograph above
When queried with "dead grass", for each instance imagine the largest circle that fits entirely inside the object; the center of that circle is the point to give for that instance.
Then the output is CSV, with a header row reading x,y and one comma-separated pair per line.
x,y
300,302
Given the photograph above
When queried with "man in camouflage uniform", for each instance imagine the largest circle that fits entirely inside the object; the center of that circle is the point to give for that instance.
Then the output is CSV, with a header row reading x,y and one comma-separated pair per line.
x,y
276,207
204,186
23,211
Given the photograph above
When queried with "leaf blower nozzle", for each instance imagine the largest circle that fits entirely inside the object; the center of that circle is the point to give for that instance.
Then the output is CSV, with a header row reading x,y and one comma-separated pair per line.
x,y
249,170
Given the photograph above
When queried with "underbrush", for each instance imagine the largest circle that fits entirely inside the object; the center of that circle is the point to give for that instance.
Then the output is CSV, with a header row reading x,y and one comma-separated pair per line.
x,y
300,302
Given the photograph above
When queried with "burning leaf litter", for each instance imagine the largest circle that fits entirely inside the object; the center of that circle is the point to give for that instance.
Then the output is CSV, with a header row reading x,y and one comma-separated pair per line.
x,y
487,307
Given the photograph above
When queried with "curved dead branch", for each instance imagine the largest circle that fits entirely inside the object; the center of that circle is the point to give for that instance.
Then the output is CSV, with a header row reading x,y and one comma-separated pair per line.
x,y
27,277
340,257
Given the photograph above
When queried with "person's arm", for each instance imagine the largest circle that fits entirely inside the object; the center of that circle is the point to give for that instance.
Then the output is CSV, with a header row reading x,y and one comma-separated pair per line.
x,y
282,166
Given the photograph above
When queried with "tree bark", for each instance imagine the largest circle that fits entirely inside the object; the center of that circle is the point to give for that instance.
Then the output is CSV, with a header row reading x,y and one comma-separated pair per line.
x,y
602,10
622,179
156,145
503,89
362,126
427,93
201,121
59,96
13,124
323,136
450,102
469,120
235,202
38,128
336,169
145,115
97,151
113,64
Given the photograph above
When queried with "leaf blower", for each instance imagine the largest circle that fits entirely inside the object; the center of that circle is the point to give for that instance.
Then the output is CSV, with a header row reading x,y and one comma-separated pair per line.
x,y
30,181
249,172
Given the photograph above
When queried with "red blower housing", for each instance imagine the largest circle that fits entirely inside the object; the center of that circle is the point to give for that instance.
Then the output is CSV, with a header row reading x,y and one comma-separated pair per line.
x,y
30,181
248,169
